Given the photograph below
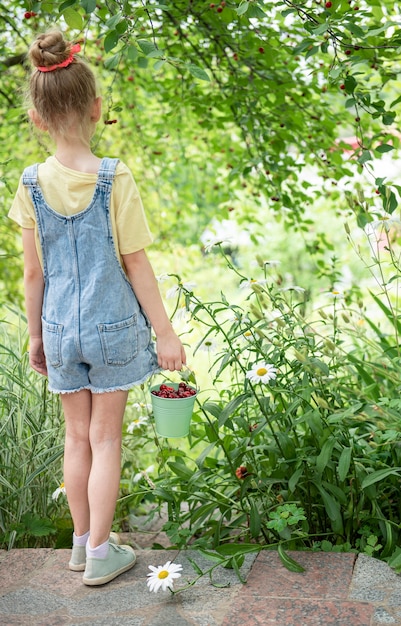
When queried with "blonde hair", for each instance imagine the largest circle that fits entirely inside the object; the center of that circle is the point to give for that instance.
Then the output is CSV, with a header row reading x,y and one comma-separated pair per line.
x,y
62,95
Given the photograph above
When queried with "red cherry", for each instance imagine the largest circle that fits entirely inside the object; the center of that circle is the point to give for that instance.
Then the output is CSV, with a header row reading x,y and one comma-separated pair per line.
x,y
342,87
27,15
328,5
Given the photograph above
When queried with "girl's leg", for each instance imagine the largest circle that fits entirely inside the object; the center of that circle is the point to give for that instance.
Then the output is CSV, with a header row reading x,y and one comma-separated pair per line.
x,y
105,436
77,409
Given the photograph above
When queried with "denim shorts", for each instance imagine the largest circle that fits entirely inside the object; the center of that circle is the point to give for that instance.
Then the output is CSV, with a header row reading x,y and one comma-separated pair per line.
x,y
106,361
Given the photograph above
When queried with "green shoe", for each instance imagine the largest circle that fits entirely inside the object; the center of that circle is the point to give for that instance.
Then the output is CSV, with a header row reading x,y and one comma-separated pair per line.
x,y
78,554
100,571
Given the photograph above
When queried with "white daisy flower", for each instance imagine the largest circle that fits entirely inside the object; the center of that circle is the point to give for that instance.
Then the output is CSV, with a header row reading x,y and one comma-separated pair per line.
x,y
142,406
161,278
296,288
262,373
163,577
171,293
335,294
143,474
252,281
137,423
208,345
181,314
216,241
60,490
386,221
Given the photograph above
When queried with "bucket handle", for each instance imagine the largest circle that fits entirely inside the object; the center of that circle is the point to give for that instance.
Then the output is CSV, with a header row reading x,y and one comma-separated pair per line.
x,y
185,377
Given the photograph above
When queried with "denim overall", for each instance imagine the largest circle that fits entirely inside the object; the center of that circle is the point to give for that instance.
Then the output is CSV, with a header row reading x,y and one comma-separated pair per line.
x,y
95,334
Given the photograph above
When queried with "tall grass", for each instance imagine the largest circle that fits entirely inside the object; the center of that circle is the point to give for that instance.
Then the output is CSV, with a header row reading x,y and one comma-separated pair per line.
x,y
31,435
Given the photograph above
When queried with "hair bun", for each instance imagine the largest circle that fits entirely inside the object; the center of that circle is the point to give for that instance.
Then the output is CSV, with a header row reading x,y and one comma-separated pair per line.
x,y
48,49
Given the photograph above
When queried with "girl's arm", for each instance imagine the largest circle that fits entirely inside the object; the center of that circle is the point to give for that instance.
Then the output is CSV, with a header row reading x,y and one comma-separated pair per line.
x,y
34,287
170,351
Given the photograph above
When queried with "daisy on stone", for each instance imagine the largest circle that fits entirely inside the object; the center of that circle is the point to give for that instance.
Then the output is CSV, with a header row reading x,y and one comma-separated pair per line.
x,y
163,577
262,373
60,490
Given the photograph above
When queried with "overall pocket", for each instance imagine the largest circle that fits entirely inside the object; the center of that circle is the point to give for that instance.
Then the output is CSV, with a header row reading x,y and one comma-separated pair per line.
x,y
52,335
119,341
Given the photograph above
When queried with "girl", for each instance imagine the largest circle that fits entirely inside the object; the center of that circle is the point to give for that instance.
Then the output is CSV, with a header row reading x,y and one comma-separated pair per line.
x,y
90,293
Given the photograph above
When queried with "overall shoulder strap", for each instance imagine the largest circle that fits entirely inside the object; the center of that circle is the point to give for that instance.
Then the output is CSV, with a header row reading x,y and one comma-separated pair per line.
x,y
30,175
107,171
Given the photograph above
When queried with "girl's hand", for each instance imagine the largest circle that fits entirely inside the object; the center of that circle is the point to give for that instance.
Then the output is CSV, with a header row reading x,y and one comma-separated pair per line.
x,y
37,359
170,352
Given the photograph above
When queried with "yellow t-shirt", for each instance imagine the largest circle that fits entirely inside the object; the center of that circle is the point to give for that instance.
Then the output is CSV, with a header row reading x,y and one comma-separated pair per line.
x,y
69,192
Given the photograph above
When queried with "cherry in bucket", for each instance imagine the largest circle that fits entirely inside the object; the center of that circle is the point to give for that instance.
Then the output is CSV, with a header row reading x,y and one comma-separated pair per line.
x,y
183,391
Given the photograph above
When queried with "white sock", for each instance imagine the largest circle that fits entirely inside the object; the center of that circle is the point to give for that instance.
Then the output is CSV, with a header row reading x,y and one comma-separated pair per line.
x,y
100,552
80,540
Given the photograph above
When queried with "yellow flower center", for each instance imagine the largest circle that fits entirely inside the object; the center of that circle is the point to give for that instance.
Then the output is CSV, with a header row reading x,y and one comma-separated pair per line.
x,y
335,293
163,574
253,280
261,371
61,485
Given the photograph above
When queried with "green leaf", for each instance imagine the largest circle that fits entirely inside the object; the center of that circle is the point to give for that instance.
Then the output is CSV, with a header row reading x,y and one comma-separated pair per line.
x,y
379,475
147,47
325,454
73,19
88,5
331,505
391,316
211,556
198,72
111,40
66,4
162,493
243,7
384,147
195,566
344,463
293,481
322,28
211,407
390,202
394,561
365,156
231,407
233,549
255,521
288,561
113,61
180,470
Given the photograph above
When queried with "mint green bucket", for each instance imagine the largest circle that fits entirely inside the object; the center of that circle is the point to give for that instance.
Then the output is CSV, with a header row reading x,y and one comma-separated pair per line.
x,y
172,415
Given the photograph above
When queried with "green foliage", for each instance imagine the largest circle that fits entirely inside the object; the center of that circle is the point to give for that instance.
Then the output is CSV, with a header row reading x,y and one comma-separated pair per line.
x,y
310,456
